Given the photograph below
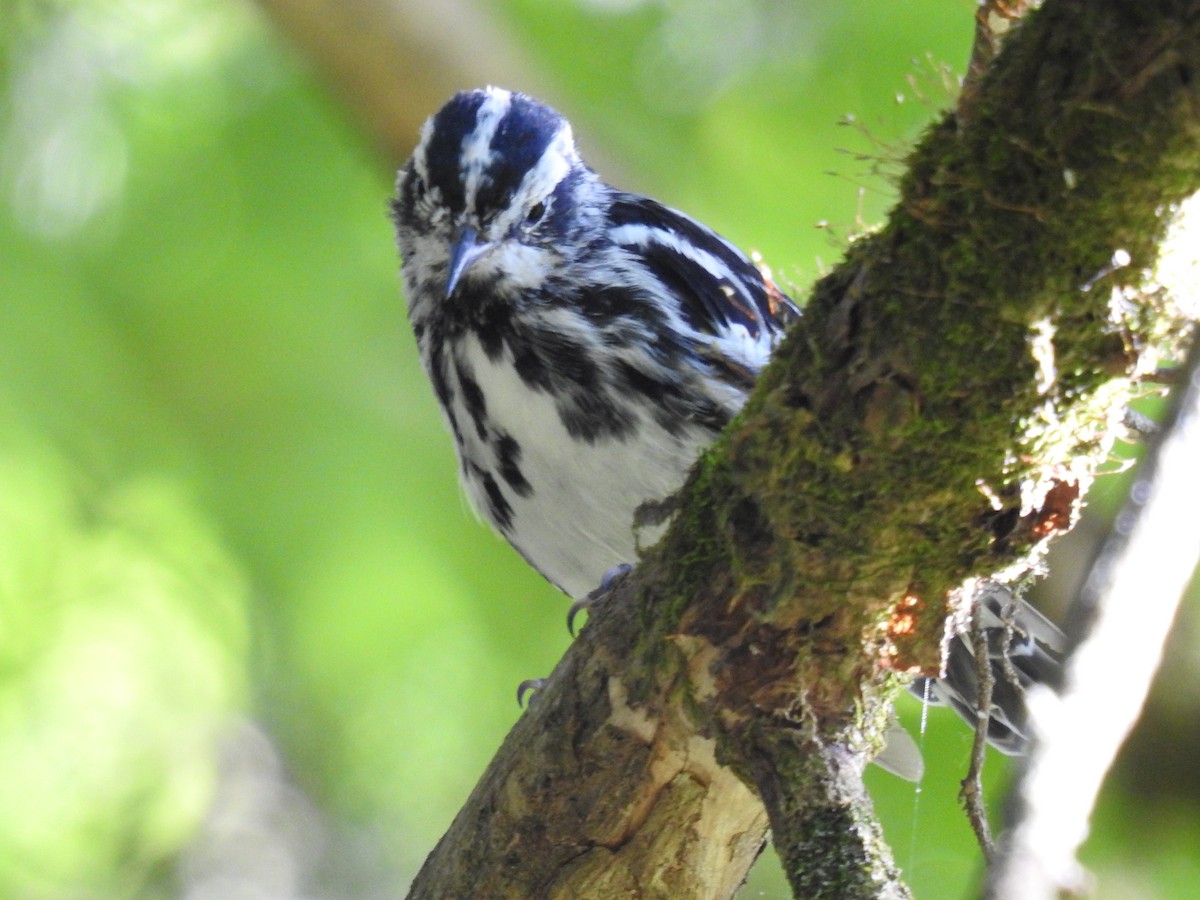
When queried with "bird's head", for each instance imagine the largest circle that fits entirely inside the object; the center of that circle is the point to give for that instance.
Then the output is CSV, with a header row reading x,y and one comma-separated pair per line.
x,y
488,195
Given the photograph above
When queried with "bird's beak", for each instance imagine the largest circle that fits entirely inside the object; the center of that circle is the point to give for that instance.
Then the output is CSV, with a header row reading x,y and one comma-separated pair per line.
x,y
467,248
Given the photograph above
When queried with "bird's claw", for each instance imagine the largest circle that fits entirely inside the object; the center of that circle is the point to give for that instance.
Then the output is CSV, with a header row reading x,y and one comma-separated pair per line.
x,y
529,686
607,583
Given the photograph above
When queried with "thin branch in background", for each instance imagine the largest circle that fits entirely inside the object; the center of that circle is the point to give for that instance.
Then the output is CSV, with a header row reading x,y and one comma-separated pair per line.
x,y
1118,624
392,63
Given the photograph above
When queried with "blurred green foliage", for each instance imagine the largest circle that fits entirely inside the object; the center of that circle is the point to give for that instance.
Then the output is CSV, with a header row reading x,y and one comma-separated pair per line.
x,y
225,490
124,649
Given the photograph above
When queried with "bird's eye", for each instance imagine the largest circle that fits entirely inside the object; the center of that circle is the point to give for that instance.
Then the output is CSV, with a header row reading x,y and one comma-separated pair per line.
x,y
535,214
416,184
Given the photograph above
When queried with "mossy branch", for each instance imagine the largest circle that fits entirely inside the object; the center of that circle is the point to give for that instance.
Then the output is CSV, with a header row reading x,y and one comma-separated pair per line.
x,y
950,381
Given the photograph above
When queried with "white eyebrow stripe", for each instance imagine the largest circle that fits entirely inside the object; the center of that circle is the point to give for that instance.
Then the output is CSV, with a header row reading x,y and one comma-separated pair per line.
x,y
420,159
551,168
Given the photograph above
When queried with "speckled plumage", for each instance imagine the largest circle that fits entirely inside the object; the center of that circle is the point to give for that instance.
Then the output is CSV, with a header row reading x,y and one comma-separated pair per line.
x,y
585,343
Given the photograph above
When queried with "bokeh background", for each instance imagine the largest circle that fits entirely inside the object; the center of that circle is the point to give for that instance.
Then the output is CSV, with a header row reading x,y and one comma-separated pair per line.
x,y
253,643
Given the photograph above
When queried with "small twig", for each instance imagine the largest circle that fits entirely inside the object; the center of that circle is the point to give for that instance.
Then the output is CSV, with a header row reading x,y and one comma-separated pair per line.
x,y
1006,664
971,791
1166,375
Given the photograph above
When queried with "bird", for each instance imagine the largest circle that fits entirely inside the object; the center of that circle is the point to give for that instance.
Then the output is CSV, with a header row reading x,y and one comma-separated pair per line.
x,y
585,343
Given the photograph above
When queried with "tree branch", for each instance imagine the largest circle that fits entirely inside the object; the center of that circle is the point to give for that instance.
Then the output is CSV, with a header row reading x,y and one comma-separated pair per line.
x,y
393,62
971,342
816,548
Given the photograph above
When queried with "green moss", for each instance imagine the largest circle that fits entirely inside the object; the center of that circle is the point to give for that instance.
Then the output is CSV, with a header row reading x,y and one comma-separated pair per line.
x,y
904,427
854,472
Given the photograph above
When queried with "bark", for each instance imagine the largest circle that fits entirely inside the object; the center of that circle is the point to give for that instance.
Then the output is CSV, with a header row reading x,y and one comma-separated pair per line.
x,y
952,380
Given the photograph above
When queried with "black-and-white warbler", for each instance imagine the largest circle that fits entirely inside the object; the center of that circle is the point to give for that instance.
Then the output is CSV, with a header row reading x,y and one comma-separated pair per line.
x,y
585,343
